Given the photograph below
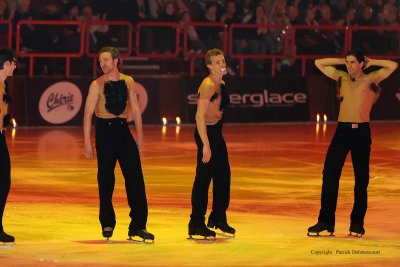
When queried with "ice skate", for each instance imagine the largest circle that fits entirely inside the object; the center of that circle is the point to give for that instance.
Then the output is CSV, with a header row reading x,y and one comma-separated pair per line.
x,y
108,232
202,231
356,230
143,234
6,238
223,226
315,230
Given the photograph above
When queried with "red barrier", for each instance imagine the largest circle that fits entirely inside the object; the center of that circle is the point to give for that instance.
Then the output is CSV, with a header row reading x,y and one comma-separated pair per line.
x,y
282,29
143,24
33,55
288,43
9,32
321,28
89,24
379,29
193,57
348,41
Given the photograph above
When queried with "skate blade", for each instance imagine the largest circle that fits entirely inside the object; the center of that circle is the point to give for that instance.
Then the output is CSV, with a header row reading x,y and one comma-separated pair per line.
x,y
355,235
145,241
226,235
201,238
7,245
311,234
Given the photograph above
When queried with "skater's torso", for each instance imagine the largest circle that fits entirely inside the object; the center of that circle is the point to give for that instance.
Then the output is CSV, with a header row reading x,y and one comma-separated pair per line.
x,y
101,110
208,90
357,98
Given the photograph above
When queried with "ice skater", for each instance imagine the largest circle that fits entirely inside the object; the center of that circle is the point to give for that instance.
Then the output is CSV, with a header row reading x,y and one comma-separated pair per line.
x,y
357,92
212,154
111,97
8,63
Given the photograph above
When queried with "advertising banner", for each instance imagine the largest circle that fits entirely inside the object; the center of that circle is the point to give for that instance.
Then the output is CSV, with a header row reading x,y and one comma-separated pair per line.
x,y
55,101
258,99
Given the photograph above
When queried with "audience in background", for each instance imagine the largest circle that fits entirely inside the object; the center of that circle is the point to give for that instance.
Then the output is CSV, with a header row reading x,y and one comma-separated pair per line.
x,y
265,40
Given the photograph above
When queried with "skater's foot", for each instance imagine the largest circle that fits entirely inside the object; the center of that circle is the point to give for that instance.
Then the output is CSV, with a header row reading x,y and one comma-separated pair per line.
x,y
320,227
223,226
143,233
6,238
201,230
356,230
108,232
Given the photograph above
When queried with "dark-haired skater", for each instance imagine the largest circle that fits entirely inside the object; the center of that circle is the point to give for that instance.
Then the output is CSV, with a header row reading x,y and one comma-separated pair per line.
x,y
8,63
357,92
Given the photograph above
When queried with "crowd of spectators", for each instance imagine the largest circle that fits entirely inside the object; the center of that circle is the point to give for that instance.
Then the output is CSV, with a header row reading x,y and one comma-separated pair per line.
x,y
260,40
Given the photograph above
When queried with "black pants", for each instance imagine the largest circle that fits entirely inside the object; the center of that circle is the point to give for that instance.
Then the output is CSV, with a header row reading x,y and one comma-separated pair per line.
x,y
218,170
114,141
358,142
5,176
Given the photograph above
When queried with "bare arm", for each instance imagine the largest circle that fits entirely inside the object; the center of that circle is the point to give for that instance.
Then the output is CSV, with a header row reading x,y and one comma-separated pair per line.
x,y
326,66
90,106
202,106
206,90
387,68
136,114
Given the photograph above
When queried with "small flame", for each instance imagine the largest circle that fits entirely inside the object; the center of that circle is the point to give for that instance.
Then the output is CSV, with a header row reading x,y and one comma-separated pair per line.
x,y
14,123
164,120
178,120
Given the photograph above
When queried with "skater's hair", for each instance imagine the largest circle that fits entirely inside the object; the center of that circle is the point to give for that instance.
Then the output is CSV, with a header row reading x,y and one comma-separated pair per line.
x,y
7,54
212,53
358,55
113,51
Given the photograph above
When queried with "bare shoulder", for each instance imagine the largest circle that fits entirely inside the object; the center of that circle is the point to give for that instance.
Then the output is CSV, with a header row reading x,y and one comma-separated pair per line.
x,y
207,84
126,78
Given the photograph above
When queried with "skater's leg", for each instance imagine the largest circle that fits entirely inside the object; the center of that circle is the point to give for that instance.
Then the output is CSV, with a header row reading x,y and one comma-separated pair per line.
x,y
221,185
106,161
129,160
333,165
5,177
360,153
204,172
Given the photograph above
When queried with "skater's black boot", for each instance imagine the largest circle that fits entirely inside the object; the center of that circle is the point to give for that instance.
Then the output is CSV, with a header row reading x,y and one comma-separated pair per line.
x,y
108,232
200,230
142,234
356,230
6,238
223,226
319,227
